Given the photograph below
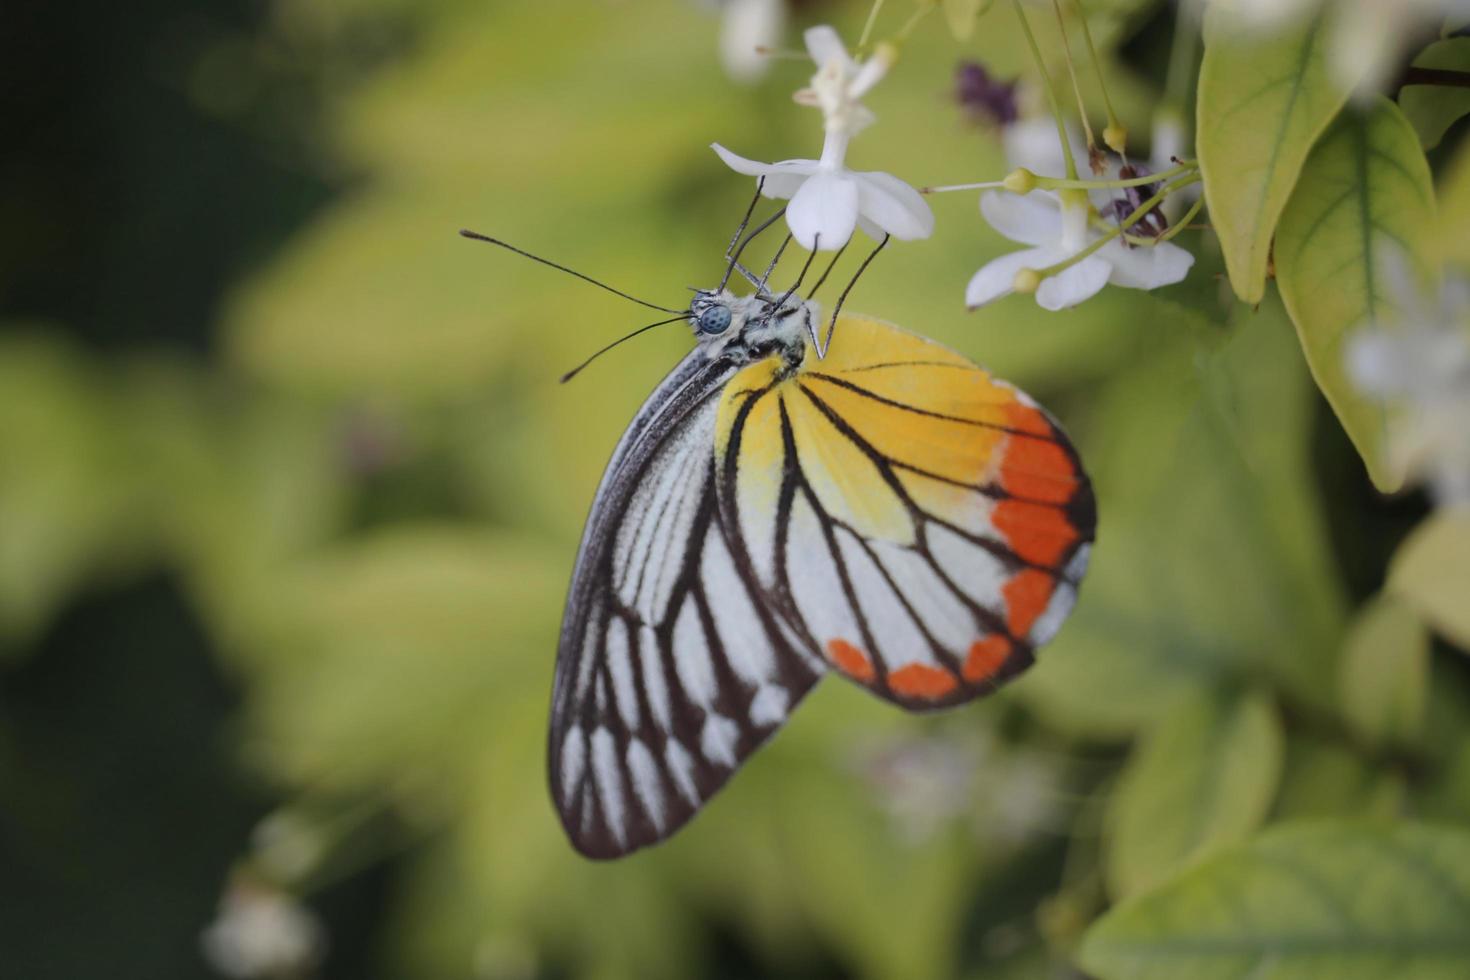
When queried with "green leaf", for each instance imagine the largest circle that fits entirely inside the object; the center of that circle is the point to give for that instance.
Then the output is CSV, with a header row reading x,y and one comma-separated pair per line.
x,y
1431,572
1452,244
1205,776
1301,902
1326,777
1263,101
1384,679
1365,194
1432,109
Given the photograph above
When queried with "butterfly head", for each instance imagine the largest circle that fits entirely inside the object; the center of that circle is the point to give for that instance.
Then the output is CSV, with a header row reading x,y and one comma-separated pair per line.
x,y
749,325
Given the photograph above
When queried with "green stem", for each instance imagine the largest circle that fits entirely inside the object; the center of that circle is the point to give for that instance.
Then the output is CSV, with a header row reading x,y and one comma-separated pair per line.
x,y
1051,93
1056,5
913,21
1133,218
1102,84
868,27
1183,222
1061,183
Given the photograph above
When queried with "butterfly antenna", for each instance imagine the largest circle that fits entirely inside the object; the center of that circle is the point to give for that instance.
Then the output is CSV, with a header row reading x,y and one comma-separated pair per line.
x,y
734,257
832,325
585,278
659,323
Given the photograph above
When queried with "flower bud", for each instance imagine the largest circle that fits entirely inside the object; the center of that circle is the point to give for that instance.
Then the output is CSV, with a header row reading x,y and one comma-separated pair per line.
x,y
1027,281
1020,181
1116,136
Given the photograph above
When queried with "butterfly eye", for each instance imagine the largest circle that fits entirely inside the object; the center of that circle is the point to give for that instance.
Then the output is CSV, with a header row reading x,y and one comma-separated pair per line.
x,y
714,320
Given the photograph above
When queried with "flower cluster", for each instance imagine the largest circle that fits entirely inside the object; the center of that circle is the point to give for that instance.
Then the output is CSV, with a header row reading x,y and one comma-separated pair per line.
x,y
828,201
1081,236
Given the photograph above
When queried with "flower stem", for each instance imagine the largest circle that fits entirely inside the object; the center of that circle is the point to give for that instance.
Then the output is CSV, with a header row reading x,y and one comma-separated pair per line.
x,y
868,27
1133,218
1061,183
1183,222
988,185
1056,5
913,20
1051,93
1102,86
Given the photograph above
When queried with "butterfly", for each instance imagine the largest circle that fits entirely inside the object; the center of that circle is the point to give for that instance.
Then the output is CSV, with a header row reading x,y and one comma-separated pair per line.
x,y
781,509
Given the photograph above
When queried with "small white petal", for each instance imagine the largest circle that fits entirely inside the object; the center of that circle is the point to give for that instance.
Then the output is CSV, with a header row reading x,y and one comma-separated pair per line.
x,y
893,206
782,179
996,277
824,45
1033,219
1074,285
824,210
870,74
1147,266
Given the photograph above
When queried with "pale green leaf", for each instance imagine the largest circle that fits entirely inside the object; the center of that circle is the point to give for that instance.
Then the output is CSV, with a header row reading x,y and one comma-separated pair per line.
x,y
1330,777
1263,101
1432,109
1303,901
1365,197
1384,677
1431,572
1203,777
1453,215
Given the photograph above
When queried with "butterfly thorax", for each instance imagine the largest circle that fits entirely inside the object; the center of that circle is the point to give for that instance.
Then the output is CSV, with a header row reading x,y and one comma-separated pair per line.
x,y
743,329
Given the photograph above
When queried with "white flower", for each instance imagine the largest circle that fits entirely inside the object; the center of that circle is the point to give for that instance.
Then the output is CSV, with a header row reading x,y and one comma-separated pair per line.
x,y
827,200
261,932
1422,368
746,27
1057,231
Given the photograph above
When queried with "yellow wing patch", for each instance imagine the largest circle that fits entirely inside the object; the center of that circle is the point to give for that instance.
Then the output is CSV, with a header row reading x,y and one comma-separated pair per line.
x,y
953,511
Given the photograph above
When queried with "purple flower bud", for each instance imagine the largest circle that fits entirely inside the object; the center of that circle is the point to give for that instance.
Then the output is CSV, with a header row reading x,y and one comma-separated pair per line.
x,y
986,99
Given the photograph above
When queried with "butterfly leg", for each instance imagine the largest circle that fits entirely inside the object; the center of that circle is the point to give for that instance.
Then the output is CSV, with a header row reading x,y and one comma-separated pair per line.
x,y
733,255
832,324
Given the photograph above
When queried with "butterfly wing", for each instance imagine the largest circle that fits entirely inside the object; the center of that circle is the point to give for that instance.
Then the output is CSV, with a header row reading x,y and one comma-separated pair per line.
x,y
920,525
669,670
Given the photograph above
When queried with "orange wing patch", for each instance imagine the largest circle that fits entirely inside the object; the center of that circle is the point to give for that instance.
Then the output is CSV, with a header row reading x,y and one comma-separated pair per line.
x,y
986,657
922,681
851,661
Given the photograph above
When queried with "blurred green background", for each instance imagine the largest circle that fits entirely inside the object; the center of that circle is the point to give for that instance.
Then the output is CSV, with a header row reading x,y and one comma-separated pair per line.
x,y
289,497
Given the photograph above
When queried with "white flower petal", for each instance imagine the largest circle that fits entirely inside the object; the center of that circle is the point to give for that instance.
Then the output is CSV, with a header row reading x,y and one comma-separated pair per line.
x,y
893,206
824,45
1033,143
1146,266
824,210
1074,285
782,179
748,26
996,277
1032,219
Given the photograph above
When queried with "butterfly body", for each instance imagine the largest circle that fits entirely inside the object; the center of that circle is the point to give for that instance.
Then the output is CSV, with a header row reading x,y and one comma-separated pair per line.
x,y
888,512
